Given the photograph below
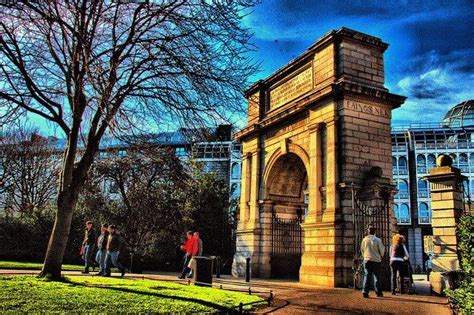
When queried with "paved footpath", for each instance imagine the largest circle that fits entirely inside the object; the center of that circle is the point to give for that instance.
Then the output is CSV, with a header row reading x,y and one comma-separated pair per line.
x,y
292,297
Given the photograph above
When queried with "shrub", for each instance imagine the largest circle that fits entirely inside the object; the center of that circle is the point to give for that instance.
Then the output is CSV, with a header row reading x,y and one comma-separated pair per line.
x,y
462,297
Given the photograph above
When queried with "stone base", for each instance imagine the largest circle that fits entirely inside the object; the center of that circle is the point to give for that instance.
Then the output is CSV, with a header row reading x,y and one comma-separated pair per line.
x,y
438,282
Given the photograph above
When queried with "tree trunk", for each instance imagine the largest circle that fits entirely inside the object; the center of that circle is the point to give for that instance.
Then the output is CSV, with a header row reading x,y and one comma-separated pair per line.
x,y
59,236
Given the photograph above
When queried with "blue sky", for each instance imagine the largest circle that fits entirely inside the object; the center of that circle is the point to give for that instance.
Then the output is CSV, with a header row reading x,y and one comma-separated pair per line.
x,y
429,60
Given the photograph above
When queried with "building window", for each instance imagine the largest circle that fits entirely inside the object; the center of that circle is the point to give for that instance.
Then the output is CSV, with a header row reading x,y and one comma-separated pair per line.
x,y
402,190
463,163
423,188
404,214
235,171
394,165
424,213
421,164
431,161
395,210
402,166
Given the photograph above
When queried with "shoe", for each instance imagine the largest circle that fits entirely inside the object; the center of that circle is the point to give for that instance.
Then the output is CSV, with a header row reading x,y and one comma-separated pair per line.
x,y
99,274
85,272
190,275
123,273
394,293
180,277
365,295
380,295
107,275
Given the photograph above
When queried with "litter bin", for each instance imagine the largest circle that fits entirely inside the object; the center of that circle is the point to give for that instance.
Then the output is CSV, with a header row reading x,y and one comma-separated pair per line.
x,y
202,270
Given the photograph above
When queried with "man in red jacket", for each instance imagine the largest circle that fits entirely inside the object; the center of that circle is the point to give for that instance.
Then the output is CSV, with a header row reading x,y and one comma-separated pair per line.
x,y
191,249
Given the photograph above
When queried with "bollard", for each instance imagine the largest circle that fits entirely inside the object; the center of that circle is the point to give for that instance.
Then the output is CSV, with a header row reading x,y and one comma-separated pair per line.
x,y
247,269
241,308
250,291
218,267
270,298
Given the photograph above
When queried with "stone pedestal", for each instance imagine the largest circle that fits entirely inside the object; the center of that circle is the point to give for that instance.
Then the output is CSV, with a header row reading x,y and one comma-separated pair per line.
x,y
447,207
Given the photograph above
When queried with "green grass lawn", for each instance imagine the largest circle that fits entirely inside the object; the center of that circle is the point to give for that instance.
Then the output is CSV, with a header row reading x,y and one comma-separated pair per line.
x,y
34,266
86,294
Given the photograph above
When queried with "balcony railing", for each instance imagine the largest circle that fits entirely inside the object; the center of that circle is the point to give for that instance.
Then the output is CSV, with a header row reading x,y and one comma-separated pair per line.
x,y
464,168
402,196
403,220
423,193
403,171
424,220
421,169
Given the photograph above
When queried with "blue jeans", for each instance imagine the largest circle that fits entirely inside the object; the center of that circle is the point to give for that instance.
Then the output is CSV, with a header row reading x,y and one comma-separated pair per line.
x,y
372,271
112,259
100,259
186,269
87,255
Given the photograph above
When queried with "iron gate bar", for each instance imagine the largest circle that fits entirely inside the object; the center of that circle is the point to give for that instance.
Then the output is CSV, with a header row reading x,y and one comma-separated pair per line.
x,y
286,237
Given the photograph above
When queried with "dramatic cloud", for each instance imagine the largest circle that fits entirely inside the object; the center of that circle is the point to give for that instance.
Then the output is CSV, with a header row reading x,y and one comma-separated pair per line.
x,y
431,45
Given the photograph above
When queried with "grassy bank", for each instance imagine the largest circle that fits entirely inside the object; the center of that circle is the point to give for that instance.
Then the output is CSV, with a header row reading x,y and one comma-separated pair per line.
x,y
86,294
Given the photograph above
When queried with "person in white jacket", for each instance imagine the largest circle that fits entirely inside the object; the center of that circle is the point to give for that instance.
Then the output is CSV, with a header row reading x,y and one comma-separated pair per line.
x,y
372,250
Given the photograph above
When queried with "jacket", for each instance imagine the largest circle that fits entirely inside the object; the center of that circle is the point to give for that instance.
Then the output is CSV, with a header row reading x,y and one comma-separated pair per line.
x,y
102,240
372,248
89,237
114,243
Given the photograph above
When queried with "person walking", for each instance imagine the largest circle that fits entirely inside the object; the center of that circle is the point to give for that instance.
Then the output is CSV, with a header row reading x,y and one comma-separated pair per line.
x,y
398,256
102,248
88,245
190,249
428,264
199,249
114,244
372,251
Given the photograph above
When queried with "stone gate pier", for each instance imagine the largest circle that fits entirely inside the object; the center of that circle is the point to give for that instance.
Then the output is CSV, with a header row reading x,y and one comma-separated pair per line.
x,y
315,128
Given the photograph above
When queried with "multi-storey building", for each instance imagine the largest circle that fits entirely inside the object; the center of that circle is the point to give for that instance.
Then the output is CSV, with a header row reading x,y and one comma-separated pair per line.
x,y
415,149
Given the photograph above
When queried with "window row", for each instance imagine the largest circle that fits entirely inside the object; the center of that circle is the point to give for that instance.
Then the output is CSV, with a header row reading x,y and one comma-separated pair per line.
x,y
402,213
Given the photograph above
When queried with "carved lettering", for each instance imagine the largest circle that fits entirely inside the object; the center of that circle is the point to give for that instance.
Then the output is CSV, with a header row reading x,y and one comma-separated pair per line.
x,y
292,88
366,108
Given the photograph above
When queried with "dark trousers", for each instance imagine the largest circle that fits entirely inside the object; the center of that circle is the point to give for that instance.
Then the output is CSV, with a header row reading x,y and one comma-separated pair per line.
x,y
400,268
186,269
372,271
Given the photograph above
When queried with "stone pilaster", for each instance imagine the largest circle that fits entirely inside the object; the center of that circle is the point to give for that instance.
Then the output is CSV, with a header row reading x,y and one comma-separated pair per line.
x,y
447,207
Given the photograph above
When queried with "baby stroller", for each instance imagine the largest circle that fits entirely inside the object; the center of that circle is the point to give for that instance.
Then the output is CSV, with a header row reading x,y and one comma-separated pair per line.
x,y
408,283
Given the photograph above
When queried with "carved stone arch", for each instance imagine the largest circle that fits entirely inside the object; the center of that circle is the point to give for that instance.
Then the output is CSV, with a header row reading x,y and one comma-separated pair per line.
x,y
274,158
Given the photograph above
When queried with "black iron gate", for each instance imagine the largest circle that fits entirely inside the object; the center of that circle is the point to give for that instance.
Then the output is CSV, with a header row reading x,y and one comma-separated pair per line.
x,y
287,247
377,215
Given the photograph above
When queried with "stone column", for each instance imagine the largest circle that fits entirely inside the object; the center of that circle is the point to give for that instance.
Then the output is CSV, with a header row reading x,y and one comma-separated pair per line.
x,y
447,206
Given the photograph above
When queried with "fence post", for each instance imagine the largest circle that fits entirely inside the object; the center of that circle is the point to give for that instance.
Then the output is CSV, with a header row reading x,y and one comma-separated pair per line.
x,y
218,267
241,308
247,269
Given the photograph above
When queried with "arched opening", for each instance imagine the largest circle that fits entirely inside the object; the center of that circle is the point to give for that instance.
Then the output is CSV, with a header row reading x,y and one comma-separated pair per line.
x,y
431,161
424,213
422,188
402,189
286,189
404,214
402,166
235,171
421,163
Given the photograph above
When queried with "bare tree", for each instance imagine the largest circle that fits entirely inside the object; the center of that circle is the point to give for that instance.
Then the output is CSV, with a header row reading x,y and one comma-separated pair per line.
x,y
28,172
91,67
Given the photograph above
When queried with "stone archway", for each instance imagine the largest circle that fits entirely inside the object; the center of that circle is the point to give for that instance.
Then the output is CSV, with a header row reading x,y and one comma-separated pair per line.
x,y
285,186
325,118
